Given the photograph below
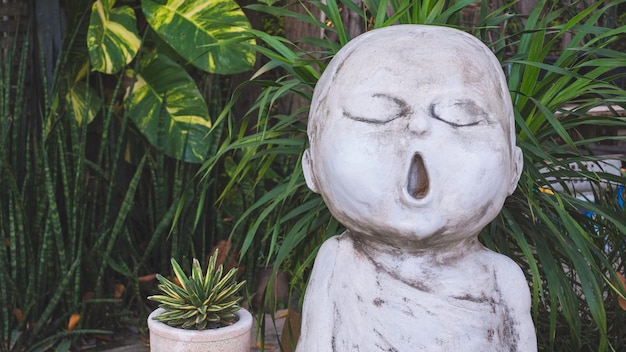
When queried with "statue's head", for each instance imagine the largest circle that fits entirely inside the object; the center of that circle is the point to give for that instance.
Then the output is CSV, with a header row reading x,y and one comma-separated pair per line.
x,y
412,136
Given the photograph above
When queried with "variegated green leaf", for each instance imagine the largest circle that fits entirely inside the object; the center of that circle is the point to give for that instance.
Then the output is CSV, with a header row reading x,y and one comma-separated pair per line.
x,y
112,38
168,109
196,271
212,35
84,102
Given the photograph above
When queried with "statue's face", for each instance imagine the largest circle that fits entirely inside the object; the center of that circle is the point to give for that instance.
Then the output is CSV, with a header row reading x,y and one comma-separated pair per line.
x,y
412,143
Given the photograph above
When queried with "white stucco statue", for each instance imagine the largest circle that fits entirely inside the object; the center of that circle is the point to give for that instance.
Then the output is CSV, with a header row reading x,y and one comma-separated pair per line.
x,y
412,147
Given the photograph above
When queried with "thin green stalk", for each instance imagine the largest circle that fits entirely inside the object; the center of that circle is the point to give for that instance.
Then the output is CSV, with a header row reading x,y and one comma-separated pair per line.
x,y
119,221
55,299
54,215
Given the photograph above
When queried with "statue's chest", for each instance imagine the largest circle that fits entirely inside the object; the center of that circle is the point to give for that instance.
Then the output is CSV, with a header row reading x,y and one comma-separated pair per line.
x,y
381,310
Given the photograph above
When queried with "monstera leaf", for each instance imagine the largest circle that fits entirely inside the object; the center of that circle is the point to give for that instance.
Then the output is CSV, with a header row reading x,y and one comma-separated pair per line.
x,y
165,104
112,38
209,34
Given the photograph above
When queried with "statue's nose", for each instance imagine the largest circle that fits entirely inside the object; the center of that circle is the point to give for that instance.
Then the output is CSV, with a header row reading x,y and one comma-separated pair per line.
x,y
419,124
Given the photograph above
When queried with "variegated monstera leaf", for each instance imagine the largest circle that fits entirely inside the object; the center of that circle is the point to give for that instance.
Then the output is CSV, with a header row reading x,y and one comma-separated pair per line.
x,y
167,107
112,38
212,35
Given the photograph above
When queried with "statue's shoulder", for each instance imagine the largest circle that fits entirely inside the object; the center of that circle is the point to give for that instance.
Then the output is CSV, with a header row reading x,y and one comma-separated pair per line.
x,y
337,244
503,264
510,278
334,259
326,257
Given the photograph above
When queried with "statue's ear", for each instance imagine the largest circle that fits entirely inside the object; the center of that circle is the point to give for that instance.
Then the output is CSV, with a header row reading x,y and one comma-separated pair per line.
x,y
518,164
307,169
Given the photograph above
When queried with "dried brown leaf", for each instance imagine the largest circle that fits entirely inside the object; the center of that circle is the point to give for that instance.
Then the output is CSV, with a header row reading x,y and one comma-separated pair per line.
x,y
74,319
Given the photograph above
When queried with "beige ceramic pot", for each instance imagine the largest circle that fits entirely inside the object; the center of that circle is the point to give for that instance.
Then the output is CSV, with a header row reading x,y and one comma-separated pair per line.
x,y
234,338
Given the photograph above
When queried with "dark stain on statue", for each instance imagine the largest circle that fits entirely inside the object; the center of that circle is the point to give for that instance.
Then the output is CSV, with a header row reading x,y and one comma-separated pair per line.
x,y
379,302
341,64
510,337
483,299
508,327
484,208
360,247
336,324
389,348
408,312
490,334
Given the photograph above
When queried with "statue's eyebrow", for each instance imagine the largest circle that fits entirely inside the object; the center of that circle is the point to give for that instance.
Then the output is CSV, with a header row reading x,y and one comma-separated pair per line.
x,y
404,110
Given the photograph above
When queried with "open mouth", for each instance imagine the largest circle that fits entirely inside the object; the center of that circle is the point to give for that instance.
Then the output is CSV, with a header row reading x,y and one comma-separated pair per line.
x,y
418,178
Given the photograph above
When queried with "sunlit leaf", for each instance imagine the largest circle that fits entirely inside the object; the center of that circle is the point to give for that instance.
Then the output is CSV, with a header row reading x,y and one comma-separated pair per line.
x,y
212,35
168,109
112,39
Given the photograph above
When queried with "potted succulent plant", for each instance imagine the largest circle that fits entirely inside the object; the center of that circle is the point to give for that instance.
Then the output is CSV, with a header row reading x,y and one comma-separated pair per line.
x,y
200,313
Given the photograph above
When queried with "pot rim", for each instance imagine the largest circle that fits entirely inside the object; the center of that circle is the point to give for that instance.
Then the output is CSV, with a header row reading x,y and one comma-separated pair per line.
x,y
242,326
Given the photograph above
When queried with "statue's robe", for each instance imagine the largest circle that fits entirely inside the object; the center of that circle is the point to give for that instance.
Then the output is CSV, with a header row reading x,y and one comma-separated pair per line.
x,y
353,304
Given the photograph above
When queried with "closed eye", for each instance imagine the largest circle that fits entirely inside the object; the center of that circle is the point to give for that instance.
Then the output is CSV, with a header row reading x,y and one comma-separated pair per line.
x,y
460,113
379,109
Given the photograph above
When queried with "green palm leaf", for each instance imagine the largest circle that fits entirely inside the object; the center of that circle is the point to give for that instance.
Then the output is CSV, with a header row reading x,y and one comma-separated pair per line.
x,y
212,35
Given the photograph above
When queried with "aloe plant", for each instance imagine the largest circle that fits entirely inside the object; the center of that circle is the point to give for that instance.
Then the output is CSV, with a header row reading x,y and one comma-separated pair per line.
x,y
201,300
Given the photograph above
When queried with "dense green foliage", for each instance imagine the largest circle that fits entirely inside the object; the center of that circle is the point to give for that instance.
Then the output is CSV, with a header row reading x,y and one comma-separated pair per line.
x,y
209,36
88,202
